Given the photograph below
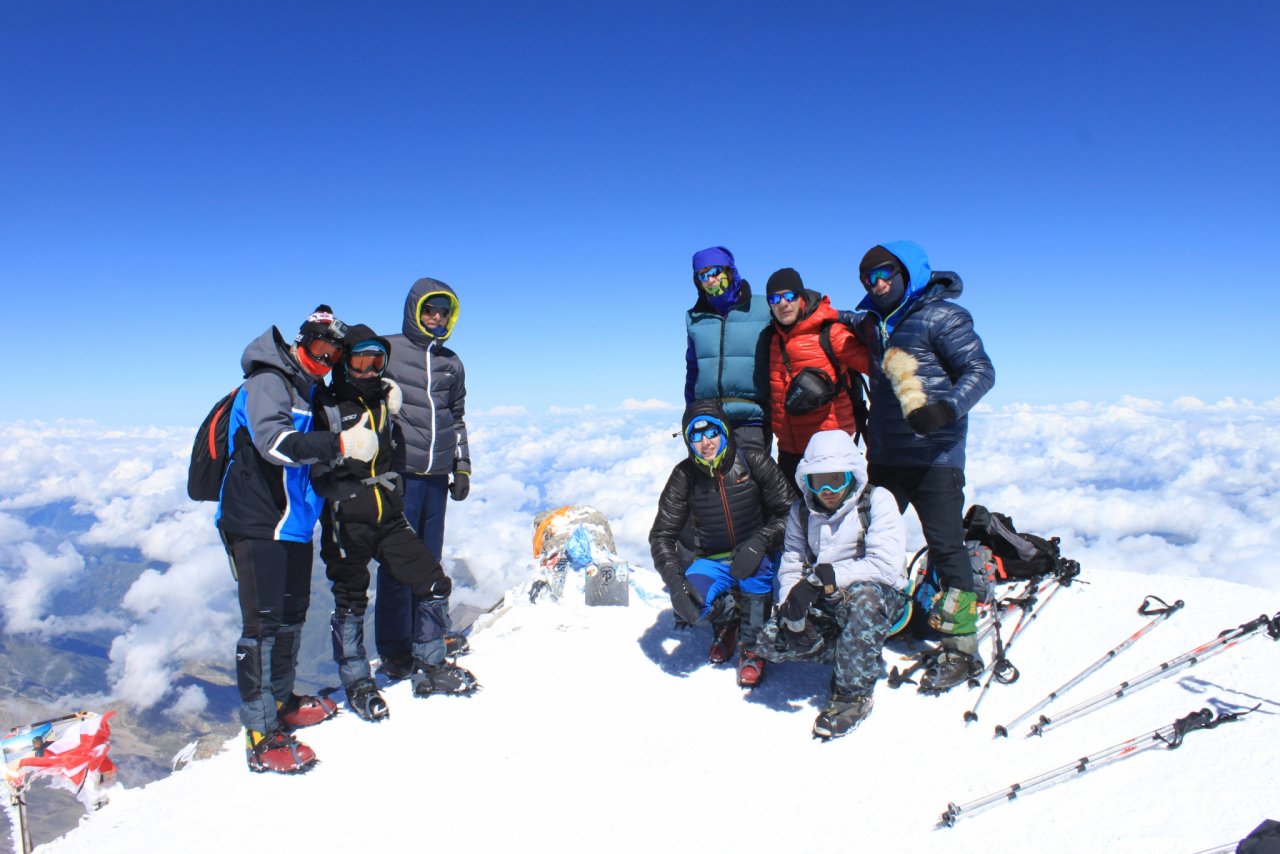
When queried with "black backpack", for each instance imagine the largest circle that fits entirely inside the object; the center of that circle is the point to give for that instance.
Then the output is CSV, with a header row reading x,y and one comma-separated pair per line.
x,y
1016,555
209,453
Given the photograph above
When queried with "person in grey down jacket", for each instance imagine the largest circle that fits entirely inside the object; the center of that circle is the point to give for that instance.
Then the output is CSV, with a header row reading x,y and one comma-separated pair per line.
x,y
437,463
928,369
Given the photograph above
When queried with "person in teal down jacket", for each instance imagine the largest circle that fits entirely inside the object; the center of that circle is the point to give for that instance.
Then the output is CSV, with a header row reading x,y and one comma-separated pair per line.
x,y
727,359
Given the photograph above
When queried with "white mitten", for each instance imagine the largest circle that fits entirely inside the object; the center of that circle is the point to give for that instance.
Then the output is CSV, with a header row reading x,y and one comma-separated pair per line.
x,y
359,442
394,396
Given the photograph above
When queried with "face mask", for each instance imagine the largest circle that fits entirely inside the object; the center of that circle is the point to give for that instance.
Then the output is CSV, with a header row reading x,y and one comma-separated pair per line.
x,y
891,298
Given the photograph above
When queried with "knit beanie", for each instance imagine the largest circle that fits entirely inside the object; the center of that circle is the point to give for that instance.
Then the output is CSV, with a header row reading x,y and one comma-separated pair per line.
x,y
321,324
786,279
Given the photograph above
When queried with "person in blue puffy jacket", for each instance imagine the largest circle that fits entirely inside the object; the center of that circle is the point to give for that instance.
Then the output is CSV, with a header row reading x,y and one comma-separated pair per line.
x,y
928,369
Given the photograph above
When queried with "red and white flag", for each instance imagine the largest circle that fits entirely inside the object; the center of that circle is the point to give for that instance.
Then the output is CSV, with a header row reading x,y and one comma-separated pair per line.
x,y
70,753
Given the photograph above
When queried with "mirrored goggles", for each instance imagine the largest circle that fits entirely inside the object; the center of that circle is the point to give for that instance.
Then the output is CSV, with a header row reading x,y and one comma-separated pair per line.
x,y
787,296
833,482
879,274
367,361
708,274
324,352
710,432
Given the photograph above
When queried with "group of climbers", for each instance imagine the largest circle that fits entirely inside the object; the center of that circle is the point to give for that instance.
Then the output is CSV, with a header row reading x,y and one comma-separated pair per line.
x,y
732,538
372,456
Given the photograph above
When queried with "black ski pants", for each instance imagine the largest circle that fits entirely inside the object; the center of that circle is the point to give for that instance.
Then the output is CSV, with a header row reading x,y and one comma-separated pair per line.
x,y
347,548
937,494
273,578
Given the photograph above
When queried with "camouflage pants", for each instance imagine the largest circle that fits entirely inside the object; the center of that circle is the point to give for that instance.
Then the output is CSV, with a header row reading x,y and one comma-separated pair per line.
x,y
855,623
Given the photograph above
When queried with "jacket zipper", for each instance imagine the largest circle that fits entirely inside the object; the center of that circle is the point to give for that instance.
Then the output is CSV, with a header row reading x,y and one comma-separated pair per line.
x,y
724,502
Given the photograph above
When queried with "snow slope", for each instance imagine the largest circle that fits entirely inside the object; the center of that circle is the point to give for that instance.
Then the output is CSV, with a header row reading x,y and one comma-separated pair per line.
x,y
604,728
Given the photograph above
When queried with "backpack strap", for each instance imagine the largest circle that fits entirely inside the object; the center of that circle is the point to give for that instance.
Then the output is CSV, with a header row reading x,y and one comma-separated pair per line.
x,y
849,380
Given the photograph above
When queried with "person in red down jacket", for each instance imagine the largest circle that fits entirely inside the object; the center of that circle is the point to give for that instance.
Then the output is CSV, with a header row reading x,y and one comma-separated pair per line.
x,y
807,380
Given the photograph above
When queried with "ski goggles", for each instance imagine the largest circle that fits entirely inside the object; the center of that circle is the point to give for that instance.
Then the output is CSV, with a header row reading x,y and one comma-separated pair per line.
x,y
708,274
834,482
783,296
711,431
323,351
879,274
367,361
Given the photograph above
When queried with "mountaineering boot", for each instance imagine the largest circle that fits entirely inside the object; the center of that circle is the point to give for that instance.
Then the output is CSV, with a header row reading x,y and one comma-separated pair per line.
x,y
277,751
949,669
366,702
396,667
841,716
724,638
750,669
456,644
442,678
305,710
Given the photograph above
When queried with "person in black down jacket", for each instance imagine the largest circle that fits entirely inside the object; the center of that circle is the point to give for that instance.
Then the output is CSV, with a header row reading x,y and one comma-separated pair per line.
x,y
928,369
364,519
737,502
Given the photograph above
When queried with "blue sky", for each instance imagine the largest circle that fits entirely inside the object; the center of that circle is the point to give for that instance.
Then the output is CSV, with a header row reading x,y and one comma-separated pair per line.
x,y
174,178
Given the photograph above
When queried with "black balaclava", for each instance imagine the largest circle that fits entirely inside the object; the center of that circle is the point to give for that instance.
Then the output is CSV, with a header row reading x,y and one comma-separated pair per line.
x,y
878,256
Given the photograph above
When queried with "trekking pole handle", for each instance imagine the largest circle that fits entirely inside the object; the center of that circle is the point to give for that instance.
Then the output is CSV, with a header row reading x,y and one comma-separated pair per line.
x,y
1147,609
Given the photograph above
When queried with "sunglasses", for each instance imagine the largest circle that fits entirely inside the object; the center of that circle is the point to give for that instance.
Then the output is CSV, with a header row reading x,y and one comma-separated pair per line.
x,y
370,361
789,296
442,311
709,273
879,274
833,482
696,436
324,352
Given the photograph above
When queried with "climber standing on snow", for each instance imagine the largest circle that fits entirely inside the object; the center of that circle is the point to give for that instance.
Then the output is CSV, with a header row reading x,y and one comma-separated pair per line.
x,y
364,520
928,369
437,461
736,502
267,513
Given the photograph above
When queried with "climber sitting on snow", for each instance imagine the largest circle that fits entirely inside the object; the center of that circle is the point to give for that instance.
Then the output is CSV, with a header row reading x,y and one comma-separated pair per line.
x,y
842,569
737,501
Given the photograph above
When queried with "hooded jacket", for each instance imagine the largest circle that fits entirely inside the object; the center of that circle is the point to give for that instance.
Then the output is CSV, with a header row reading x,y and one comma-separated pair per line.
x,y
725,357
434,385
953,366
266,491
798,346
742,495
359,491
836,537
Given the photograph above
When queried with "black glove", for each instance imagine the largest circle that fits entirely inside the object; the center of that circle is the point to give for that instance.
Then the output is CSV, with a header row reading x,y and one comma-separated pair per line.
x,y
684,601
746,560
825,577
796,609
930,417
460,486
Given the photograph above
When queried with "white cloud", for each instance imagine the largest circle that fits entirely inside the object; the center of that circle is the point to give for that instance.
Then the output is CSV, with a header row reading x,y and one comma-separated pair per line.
x,y
1168,489
41,575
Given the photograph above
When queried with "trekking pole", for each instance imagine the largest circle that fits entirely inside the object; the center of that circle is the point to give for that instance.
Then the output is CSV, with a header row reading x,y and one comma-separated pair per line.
x,y
1169,737
1225,640
1146,609
1002,669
